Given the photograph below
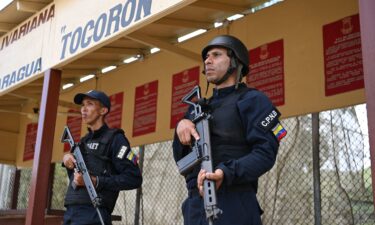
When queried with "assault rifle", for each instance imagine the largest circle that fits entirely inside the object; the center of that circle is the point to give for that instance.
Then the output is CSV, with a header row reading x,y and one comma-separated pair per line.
x,y
80,166
201,152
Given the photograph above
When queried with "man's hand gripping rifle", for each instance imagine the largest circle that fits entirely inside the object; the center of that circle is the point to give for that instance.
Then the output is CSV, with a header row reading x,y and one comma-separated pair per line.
x,y
80,167
201,152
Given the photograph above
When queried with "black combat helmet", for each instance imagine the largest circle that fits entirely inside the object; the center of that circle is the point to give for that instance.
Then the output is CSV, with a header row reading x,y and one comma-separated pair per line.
x,y
235,45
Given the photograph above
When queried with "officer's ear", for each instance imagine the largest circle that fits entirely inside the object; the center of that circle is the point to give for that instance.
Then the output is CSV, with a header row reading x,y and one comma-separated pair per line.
x,y
103,111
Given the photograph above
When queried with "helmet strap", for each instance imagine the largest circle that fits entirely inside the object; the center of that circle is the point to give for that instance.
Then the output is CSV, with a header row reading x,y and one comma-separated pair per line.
x,y
239,75
232,67
229,72
208,84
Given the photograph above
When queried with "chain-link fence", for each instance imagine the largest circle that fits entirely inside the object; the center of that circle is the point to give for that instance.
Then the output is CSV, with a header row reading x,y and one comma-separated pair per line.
x,y
7,174
322,175
341,193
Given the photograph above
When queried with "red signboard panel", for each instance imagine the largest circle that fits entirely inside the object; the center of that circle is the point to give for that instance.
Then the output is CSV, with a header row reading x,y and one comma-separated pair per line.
x,y
343,67
30,141
114,117
74,122
182,83
267,71
145,109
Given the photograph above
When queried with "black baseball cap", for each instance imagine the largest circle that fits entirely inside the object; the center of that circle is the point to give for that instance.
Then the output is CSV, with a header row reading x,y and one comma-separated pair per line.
x,y
94,94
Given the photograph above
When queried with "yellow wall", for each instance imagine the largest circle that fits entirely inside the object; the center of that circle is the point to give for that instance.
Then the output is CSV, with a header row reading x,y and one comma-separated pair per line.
x,y
298,22
9,129
8,142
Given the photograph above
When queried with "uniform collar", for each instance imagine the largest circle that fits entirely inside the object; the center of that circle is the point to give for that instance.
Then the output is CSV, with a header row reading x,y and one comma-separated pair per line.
x,y
98,132
222,92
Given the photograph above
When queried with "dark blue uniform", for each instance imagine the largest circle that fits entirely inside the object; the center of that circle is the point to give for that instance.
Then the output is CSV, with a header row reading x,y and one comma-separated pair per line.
x,y
245,131
108,156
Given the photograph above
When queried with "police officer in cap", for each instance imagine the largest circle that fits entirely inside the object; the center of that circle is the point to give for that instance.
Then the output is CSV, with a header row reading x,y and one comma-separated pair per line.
x,y
245,135
109,159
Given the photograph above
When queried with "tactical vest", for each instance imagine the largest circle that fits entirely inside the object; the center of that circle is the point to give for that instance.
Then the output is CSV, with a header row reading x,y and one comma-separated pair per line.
x,y
97,155
228,137
228,134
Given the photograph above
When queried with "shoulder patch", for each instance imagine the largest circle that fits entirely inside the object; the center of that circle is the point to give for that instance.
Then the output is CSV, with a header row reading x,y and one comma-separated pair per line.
x,y
270,120
279,131
127,153
122,151
132,157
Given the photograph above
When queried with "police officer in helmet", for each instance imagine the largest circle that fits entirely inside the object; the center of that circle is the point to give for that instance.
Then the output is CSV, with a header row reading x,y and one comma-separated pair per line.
x,y
109,159
244,138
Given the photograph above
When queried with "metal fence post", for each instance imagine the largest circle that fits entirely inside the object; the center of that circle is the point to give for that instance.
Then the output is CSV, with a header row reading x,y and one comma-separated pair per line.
x,y
366,15
139,190
316,169
16,188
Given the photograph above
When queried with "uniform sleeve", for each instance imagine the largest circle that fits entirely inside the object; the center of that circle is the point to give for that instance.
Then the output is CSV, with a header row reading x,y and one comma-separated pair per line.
x,y
126,174
258,116
180,150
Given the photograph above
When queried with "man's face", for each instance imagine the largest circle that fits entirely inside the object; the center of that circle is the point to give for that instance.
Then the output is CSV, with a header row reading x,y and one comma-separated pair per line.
x,y
216,64
92,111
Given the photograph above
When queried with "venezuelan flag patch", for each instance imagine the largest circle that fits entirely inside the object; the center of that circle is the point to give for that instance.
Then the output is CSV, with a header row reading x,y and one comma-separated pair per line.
x,y
279,131
132,157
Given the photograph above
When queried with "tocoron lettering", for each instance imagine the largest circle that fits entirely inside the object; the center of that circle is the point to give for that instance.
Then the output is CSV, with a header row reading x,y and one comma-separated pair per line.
x,y
106,24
